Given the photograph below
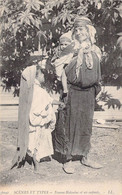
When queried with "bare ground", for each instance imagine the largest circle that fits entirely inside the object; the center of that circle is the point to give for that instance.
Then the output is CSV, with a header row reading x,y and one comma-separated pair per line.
x,y
106,149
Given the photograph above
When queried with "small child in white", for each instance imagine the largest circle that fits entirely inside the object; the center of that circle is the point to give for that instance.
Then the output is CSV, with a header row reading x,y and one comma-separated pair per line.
x,y
42,120
66,53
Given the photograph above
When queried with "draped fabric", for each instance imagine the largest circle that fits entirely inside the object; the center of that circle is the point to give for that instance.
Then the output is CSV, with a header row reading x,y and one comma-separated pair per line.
x,y
85,51
88,59
41,141
60,63
42,123
74,123
87,77
81,49
64,58
25,99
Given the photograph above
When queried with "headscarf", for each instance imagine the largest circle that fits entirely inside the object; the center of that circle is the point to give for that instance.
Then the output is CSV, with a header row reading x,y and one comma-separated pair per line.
x,y
81,21
29,75
66,37
86,22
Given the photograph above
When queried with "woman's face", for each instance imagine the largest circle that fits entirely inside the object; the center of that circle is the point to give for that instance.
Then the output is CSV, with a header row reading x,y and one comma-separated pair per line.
x,y
81,34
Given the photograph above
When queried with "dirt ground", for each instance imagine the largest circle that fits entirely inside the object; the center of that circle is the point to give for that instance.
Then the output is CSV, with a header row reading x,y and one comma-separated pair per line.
x,y
106,149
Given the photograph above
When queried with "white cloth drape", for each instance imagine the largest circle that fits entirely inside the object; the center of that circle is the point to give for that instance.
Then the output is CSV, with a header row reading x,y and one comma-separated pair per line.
x,y
42,123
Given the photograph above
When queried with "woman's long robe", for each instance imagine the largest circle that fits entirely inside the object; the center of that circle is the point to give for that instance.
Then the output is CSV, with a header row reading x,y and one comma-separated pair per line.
x,y
74,123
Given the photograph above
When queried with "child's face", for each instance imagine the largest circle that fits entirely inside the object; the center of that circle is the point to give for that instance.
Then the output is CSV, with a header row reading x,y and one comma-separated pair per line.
x,y
63,45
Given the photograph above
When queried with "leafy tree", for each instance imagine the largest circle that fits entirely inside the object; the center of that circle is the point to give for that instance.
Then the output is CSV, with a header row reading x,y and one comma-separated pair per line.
x,y
31,25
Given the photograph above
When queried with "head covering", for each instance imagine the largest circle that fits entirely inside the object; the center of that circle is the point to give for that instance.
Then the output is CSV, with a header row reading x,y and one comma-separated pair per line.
x,y
66,37
29,75
37,56
92,32
82,21
42,63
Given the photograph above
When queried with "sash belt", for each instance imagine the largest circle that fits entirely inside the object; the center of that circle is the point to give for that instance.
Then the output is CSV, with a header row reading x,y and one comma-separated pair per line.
x,y
81,88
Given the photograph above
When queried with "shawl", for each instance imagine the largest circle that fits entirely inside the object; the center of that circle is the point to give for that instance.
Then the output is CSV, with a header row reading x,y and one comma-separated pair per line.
x,y
87,47
25,100
66,37
87,77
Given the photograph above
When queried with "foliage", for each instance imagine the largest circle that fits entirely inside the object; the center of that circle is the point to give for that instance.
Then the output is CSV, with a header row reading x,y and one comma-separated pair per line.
x,y
30,25
108,100
114,103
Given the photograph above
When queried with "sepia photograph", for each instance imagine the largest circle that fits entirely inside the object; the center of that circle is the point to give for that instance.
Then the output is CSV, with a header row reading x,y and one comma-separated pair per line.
x,y
61,97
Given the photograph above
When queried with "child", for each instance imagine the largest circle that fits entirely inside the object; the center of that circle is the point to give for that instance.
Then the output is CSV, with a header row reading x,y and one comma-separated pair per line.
x,y
65,55
42,120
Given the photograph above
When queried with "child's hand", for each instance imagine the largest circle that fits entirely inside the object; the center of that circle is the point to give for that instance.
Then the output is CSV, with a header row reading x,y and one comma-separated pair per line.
x,y
64,95
65,98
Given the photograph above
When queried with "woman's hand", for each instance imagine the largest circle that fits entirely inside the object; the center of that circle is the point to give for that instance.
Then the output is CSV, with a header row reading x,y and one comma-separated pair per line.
x,y
61,105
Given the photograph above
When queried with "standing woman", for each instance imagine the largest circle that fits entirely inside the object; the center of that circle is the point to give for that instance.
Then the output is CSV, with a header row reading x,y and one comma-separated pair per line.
x,y
83,77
